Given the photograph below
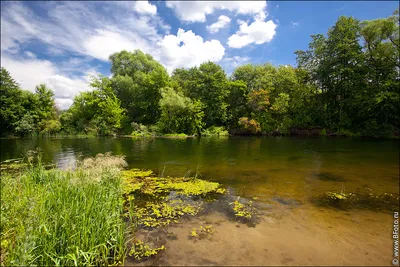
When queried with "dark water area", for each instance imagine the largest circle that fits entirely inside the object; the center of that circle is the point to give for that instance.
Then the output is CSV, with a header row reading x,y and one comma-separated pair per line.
x,y
283,172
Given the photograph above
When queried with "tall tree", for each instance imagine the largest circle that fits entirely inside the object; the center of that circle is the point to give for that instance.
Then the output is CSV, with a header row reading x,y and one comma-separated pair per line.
x,y
209,84
137,82
98,111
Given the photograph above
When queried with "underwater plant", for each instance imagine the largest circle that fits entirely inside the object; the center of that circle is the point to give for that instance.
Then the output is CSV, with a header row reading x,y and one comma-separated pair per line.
x,y
203,232
140,250
357,200
242,210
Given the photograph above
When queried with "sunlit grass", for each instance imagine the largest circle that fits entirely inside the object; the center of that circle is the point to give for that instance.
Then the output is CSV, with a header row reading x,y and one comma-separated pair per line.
x,y
63,218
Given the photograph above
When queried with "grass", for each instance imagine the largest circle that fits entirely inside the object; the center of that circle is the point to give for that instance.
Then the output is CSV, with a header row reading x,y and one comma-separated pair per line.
x,y
180,135
215,131
67,218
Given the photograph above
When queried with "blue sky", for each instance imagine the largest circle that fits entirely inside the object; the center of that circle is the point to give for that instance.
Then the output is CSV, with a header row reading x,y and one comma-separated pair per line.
x,y
63,43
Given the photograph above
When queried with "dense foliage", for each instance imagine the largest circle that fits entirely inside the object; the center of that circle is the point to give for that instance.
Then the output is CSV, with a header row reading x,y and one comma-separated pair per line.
x,y
346,82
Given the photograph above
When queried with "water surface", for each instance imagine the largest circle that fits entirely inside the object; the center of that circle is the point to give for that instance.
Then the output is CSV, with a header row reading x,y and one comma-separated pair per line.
x,y
283,172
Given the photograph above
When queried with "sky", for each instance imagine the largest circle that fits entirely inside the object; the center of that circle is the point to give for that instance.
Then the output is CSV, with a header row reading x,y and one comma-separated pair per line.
x,y
62,44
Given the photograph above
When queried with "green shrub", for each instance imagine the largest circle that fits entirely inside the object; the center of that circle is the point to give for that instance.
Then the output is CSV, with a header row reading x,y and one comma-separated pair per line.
x,y
215,131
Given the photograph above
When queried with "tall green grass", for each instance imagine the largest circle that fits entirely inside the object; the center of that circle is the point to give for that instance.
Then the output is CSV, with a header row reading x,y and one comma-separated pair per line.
x,y
63,217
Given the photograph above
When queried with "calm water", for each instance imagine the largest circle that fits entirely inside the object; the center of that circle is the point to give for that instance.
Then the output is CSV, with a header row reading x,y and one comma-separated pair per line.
x,y
284,172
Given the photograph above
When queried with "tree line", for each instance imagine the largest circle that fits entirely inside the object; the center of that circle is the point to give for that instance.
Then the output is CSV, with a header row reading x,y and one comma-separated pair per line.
x,y
347,81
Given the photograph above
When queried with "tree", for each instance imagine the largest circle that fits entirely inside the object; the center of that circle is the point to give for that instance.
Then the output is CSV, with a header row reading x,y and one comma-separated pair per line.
x,y
382,51
11,100
236,102
44,112
209,85
96,111
137,82
180,114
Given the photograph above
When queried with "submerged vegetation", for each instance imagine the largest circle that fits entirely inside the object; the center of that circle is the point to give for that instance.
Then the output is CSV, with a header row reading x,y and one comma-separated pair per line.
x,y
359,200
203,232
242,210
345,83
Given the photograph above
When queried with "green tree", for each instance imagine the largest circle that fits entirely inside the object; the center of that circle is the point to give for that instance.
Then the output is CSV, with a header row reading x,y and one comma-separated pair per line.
x,y
137,82
236,101
180,114
98,111
11,102
209,84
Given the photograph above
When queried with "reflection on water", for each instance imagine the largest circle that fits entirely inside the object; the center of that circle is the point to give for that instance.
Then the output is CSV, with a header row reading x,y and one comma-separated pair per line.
x,y
269,166
281,171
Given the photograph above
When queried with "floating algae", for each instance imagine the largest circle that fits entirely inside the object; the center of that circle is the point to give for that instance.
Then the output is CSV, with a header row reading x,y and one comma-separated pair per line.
x,y
152,202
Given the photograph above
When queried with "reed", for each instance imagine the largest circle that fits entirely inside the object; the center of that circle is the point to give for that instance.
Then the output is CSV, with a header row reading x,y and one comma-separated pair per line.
x,y
63,217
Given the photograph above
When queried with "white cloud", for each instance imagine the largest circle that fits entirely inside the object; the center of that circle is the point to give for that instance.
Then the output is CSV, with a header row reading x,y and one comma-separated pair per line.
x,y
187,50
258,32
294,24
196,11
144,7
236,61
116,27
222,22
31,72
30,54
105,43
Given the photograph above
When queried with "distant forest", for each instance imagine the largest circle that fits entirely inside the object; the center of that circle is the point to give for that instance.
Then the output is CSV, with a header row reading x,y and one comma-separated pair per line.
x,y
347,82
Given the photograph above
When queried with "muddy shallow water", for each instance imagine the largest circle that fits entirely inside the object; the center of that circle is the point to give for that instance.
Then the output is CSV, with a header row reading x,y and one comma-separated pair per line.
x,y
283,173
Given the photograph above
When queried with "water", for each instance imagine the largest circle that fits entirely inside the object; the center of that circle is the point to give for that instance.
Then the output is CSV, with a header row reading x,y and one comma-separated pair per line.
x,y
283,172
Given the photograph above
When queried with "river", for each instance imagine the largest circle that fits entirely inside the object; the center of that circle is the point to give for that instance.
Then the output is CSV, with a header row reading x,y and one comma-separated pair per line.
x,y
282,172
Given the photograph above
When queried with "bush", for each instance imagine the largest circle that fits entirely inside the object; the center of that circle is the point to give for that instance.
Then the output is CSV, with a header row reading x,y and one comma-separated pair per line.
x,y
140,130
215,131
247,126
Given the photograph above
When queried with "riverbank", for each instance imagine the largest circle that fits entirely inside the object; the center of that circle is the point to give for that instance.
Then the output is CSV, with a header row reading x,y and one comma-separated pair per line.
x,y
302,133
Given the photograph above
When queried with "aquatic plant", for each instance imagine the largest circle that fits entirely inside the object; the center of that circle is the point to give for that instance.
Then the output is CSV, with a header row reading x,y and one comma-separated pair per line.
x,y
360,200
162,201
145,182
242,210
141,250
162,214
203,232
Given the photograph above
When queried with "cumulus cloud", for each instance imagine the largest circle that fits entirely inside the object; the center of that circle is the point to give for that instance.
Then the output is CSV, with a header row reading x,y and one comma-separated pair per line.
x,y
144,7
31,72
196,11
222,22
294,24
258,32
104,43
84,26
187,50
